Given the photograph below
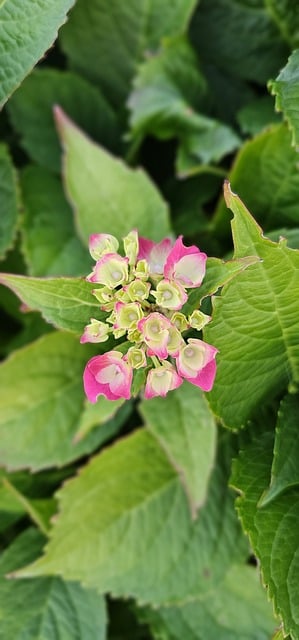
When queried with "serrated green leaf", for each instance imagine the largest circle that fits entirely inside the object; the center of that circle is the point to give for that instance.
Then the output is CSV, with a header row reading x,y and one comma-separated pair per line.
x,y
236,609
118,199
142,541
8,201
285,471
255,323
40,511
47,608
270,162
119,34
27,30
31,113
42,404
218,273
185,428
67,303
272,529
49,241
286,91
249,45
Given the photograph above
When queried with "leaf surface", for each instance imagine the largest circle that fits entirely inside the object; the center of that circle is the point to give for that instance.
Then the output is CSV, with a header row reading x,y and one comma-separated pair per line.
x,y
8,201
132,545
27,30
255,323
67,303
286,90
42,404
119,34
185,428
49,240
272,529
47,608
118,199
31,113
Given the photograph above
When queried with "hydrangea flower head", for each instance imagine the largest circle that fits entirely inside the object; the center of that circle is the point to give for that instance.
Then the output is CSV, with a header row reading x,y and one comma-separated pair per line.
x,y
143,293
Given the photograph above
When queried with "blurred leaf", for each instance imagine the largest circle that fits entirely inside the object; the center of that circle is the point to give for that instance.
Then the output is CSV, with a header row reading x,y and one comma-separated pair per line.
x,y
165,100
255,323
67,303
47,608
118,199
285,471
286,15
50,244
239,38
142,542
42,405
272,529
31,113
27,30
286,91
257,115
265,174
40,511
190,442
236,609
96,415
8,200
119,35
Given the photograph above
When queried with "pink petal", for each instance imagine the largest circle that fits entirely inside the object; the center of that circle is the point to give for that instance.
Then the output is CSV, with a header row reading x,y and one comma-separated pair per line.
x,y
205,378
185,264
154,253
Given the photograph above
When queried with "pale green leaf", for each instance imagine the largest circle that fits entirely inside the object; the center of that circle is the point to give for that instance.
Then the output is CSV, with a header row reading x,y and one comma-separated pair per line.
x,y
185,428
255,323
118,198
40,511
8,201
46,608
27,30
286,91
285,471
119,34
42,404
97,414
67,303
236,609
49,241
272,529
31,113
136,536
265,175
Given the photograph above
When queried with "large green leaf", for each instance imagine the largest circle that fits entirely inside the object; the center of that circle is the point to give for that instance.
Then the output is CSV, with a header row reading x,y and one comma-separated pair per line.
x,y
185,428
117,198
27,30
119,34
42,404
285,472
165,102
269,161
236,609
286,90
49,241
136,536
67,303
255,323
273,529
31,113
46,608
8,201
239,38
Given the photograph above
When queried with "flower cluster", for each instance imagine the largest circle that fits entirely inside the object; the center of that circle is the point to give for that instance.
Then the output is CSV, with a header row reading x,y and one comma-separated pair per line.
x,y
143,293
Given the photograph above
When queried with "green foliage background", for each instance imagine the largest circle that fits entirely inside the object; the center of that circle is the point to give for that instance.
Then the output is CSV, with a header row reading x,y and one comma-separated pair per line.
x,y
175,518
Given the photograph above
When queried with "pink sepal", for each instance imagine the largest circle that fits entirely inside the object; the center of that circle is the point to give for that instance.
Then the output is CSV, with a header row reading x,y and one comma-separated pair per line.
x,y
154,253
108,375
187,265
171,380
